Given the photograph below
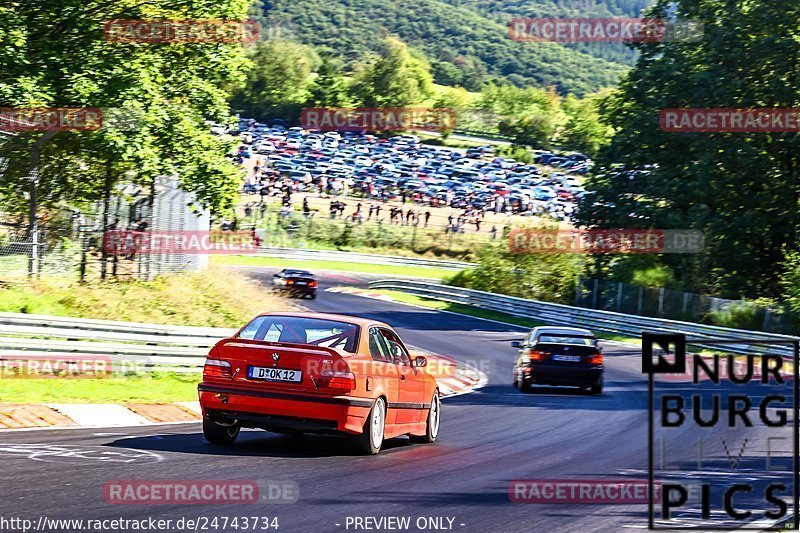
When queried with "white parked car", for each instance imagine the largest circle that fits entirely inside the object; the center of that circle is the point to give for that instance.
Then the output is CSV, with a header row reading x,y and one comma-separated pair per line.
x,y
264,147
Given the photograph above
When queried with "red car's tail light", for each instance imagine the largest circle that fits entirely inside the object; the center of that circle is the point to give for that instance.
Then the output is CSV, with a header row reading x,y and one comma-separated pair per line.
x,y
217,368
596,359
337,380
536,355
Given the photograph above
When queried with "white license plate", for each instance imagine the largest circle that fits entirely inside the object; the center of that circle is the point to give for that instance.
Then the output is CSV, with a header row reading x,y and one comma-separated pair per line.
x,y
567,358
275,374
302,283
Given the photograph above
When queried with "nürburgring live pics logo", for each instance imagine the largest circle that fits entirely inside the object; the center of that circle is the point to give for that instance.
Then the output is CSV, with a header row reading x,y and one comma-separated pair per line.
x,y
739,468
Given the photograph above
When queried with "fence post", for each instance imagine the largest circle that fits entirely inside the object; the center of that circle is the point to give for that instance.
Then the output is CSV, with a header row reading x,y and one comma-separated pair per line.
x,y
661,301
82,239
33,257
639,303
594,294
765,324
685,303
619,296
578,292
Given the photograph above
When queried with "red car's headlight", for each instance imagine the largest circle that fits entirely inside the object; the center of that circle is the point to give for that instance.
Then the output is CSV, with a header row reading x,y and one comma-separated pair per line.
x,y
217,368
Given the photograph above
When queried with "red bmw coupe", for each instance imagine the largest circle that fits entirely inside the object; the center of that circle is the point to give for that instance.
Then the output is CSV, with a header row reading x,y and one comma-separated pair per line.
x,y
318,373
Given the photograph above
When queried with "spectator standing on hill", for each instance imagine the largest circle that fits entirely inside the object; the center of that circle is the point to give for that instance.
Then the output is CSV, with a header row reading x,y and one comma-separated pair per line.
x,y
427,217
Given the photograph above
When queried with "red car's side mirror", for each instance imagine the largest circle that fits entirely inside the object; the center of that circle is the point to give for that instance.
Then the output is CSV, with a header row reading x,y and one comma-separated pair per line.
x,y
420,361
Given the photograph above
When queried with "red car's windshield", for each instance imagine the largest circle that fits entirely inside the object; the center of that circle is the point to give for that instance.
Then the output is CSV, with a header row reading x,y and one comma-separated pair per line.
x,y
300,330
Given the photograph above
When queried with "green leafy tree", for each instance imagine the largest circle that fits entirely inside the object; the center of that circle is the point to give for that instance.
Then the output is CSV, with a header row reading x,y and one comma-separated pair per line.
x,y
397,78
278,84
740,189
54,54
583,130
329,87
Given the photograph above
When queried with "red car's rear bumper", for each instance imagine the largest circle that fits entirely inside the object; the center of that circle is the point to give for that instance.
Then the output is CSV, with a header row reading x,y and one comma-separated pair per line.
x,y
270,409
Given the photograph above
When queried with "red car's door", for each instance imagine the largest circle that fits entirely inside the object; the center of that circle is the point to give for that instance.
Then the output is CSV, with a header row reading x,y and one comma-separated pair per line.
x,y
411,389
382,373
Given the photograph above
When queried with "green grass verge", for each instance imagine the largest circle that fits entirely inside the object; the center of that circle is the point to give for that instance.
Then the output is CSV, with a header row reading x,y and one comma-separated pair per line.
x,y
215,298
387,270
478,312
153,387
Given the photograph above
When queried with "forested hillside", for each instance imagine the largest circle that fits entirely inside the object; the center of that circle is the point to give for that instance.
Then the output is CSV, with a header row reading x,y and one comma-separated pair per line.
x,y
466,41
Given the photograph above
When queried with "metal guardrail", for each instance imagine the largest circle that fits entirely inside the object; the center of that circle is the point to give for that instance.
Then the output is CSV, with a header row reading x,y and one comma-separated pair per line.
x,y
127,345
351,257
607,321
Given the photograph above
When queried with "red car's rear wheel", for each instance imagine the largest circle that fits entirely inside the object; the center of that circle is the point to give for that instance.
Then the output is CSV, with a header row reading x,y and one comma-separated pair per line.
x,y
371,439
220,433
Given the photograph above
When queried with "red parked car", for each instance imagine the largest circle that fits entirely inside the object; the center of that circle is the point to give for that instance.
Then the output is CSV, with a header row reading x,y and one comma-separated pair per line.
x,y
318,373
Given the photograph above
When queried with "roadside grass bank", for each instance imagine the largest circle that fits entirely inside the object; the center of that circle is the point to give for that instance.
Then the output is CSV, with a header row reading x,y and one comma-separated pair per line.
x,y
387,270
150,387
216,297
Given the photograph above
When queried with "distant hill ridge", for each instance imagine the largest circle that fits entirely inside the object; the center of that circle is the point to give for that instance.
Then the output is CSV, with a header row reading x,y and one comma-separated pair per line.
x,y
466,41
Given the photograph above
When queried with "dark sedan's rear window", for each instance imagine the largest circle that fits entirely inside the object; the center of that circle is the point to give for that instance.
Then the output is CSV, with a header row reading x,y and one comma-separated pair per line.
x,y
299,273
566,339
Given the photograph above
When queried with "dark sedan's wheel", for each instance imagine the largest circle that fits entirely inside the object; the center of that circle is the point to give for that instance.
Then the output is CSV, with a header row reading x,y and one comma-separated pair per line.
x,y
525,385
313,295
216,433
597,388
371,439
434,417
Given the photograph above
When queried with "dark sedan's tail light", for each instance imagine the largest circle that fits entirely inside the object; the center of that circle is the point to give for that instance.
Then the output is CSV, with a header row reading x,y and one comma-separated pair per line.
x,y
536,355
217,368
337,380
313,284
596,358
290,282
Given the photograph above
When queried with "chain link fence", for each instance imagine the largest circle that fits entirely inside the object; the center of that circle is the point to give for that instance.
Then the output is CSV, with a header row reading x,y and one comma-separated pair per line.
x,y
70,243
686,306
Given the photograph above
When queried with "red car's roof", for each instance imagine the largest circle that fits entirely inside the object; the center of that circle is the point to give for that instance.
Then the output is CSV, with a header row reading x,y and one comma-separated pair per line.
x,y
364,322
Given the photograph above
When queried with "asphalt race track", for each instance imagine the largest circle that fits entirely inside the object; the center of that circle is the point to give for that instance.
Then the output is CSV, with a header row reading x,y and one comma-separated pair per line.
x,y
487,439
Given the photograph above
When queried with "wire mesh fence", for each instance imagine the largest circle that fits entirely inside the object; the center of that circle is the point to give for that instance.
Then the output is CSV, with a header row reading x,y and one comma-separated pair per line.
x,y
71,244
678,305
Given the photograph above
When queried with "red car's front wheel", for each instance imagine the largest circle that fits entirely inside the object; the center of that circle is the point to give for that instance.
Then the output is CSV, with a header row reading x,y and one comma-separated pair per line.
x,y
434,417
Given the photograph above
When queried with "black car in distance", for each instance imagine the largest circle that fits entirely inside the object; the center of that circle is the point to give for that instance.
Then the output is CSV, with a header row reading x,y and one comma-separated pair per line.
x,y
559,356
298,283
